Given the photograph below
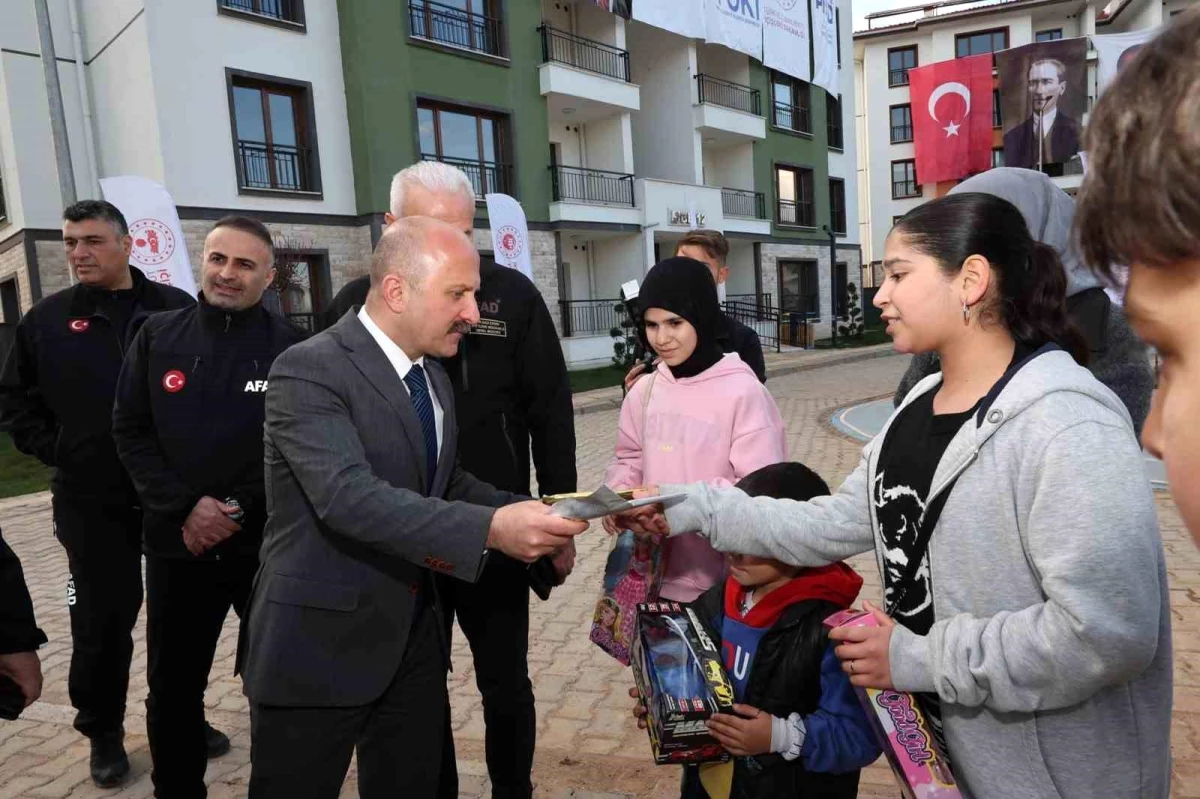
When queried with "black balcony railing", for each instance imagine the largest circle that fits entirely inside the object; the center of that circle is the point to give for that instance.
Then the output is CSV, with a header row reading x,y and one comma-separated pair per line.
x,y
793,118
730,95
275,166
282,10
576,184
486,176
307,321
797,213
576,51
898,77
590,317
740,202
455,27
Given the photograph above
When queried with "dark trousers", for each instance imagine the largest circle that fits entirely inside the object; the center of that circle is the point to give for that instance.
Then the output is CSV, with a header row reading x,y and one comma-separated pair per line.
x,y
494,615
186,604
104,595
304,752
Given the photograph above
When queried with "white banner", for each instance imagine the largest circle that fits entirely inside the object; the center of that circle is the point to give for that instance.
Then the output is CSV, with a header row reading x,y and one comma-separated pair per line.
x,y
824,41
1114,50
510,233
158,245
737,24
677,16
785,37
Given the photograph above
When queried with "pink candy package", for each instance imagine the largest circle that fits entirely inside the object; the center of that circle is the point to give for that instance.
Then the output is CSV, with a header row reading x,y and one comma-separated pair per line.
x,y
902,730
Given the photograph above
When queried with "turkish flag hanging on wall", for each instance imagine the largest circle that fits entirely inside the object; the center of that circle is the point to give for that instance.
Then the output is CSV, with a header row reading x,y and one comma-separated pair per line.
x,y
952,117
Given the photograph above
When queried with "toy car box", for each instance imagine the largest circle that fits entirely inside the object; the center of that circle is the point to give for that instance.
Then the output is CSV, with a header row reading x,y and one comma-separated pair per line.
x,y
682,681
902,730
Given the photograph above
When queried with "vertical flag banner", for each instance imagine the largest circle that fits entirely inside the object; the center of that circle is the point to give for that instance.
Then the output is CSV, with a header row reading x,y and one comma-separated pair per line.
x,y
158,245
1116,50
618,7
825,45
786,44
1043,95
952,117
683,17
736,24
510,233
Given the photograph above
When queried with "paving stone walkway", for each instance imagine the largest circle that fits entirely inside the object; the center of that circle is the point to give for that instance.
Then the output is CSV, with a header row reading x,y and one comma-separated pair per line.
x,y
588,746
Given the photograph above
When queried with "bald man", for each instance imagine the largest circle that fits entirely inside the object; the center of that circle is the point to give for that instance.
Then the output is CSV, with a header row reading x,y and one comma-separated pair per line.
x,y
344,647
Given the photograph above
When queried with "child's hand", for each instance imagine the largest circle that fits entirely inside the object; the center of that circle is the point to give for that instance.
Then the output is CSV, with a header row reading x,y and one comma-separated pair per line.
x,y
864,651
746,734
639,709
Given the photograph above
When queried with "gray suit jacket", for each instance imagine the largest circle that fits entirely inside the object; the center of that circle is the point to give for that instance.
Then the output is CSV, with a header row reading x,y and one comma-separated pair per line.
x,y
351,526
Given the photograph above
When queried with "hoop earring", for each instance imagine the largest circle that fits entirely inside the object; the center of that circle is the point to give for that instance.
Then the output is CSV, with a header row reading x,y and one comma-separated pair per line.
x,y
966,315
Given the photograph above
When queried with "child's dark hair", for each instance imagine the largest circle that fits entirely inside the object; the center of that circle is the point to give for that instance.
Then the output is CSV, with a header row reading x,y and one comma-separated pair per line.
x,y
1030,300
1140,200
787,480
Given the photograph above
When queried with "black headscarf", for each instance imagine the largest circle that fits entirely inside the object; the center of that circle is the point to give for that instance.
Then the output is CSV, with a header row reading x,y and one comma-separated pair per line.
x,y
685,287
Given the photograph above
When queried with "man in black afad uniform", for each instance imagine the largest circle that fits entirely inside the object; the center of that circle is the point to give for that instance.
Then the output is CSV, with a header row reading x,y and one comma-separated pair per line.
x,y
188,423
56,397
510,388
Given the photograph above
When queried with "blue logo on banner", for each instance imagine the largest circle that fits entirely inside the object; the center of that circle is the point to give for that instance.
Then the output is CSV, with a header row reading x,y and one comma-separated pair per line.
x,y
747,7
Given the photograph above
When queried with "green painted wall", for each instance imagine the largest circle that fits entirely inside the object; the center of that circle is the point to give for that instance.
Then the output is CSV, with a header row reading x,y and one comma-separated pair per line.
x,y
385,72
812,152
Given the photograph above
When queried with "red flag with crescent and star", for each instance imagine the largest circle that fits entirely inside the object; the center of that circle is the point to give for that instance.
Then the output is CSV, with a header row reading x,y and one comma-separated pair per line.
x,y
952,117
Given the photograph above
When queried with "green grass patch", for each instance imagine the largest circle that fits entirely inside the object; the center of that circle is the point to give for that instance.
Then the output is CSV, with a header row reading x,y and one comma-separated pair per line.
x,y
867,339
20,474
601,377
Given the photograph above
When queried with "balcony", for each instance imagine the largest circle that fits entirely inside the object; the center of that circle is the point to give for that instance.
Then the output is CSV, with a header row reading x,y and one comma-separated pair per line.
x,y
274,167
284,13
728,113
792,117
745,211
486,176
584,79
453,27
592,195
797,214
590,317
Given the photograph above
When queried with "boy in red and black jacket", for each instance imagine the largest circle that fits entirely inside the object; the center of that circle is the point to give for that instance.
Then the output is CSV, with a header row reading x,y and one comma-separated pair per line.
x,y
798,729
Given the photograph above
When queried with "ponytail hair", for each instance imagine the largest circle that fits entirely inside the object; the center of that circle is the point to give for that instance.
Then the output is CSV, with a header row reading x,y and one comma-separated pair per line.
x,y
1029,298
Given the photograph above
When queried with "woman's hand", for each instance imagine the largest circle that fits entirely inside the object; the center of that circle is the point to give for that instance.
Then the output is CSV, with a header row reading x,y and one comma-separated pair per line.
x,y
744,735
639,708
611,525
864,651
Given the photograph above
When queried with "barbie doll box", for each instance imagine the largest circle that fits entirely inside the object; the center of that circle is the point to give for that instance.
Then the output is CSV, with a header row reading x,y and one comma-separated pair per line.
x,y
902,730
682,682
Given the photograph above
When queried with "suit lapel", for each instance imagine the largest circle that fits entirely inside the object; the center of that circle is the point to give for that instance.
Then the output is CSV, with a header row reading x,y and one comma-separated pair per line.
x,y
368,358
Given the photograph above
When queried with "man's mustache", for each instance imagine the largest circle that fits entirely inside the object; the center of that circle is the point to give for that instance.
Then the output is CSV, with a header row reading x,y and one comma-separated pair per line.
x,y
461,327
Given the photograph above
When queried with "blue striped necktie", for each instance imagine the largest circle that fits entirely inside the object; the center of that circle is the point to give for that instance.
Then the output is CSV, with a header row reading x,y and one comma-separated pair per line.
x,y
418,392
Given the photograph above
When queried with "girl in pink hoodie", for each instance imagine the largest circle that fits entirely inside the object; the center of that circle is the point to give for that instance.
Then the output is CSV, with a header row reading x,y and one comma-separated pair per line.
x,y
706,416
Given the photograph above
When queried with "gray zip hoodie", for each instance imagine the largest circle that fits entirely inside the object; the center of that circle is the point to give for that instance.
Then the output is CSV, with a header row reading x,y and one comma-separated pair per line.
x,y
1051,649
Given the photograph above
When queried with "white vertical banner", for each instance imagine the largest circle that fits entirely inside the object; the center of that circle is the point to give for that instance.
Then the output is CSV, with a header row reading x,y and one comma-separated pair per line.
x,y
510,233
786,44
737,24
683,17
158,245
825,46
1115,50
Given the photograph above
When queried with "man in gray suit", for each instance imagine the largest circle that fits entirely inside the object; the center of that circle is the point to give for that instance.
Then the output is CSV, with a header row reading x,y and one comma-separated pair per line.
x,y
344,646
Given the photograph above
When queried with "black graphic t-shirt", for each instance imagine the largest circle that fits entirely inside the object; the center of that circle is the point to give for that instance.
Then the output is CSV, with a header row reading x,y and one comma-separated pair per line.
x,y
914,446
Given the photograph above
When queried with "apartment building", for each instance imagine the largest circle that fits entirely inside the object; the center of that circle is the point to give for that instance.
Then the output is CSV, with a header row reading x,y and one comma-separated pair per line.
x,y
896,41
233,105
615,136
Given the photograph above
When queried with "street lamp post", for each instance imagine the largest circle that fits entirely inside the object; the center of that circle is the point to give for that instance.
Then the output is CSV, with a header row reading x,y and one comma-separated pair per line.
x,y
832,285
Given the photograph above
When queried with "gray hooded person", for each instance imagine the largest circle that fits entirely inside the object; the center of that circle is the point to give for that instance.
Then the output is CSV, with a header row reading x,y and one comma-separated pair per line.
x,y
1119,359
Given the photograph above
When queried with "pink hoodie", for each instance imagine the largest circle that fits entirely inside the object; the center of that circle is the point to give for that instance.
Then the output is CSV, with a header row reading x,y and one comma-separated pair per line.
x,y
718,426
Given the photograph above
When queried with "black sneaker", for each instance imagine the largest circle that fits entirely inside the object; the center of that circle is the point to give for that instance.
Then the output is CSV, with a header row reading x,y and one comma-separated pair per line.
x,y
108,762
216,743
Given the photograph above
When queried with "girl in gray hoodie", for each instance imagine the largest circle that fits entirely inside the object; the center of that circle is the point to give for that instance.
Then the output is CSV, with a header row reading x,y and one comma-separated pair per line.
x,y
1012,521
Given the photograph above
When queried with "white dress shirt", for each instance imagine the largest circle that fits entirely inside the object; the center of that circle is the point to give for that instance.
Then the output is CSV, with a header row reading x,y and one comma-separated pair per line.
x,y
401,363
1046,121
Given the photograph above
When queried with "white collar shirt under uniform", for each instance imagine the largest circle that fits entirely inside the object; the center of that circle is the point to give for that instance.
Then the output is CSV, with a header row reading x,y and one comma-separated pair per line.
x,y
1045,122
401,363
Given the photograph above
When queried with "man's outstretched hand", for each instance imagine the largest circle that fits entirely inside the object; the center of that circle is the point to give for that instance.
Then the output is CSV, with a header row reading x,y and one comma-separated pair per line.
x,y
526,531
